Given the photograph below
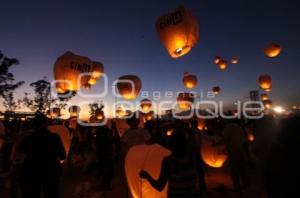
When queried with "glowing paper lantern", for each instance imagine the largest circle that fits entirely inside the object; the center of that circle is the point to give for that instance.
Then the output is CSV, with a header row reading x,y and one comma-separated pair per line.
x,y
67,70
64,135
272,50
234,60
121,111
146,105
213,156
251,137
178,31
148,116
184,100
217,59
97,71
189,80
148,158
268,104
74,110
216,90
264,97
129,86
222,64
201,124
99,115
265,82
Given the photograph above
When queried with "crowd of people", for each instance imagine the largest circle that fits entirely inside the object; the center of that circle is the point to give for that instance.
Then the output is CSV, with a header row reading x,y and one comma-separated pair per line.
x,y
34,159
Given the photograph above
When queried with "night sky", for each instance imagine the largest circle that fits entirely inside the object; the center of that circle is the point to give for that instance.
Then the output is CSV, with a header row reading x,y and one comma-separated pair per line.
x,y
121,34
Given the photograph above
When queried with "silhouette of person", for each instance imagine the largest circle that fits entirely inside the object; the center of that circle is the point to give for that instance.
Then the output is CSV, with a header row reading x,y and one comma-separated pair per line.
x,y
179,169
43,152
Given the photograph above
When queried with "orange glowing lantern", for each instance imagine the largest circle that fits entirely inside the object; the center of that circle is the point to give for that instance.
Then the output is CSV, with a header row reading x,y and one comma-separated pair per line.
x,y
129,86
74,110
201,124
184,100
265,82
222,64
268,104
121,112
99,114
216,90
148,116
170,132
146,105
178,31
251,137
272,50
189,80
67,70
97,71
234,60
148,158
213,156
217,59
264,97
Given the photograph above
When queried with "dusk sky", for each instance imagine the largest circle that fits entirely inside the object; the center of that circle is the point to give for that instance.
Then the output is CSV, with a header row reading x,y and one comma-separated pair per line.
x,y
121,34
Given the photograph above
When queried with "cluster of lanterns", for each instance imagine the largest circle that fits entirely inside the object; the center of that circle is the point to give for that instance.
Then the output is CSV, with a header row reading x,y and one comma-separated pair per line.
x,y
222,63
184,100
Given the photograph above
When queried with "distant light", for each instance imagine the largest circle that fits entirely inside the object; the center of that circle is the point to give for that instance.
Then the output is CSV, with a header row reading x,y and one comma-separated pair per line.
x,y
279,109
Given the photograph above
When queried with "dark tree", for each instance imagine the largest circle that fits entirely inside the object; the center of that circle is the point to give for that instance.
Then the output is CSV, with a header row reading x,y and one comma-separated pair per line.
x,y
95,107
7,82
42,96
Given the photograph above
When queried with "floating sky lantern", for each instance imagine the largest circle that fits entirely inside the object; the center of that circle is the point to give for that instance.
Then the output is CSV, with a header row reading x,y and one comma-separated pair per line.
x,y
74,110
272,50
265,82
234,60
264,97
99,115
129,86
217,59
184,100
146,105
67,70
268,104
213,156
222,64
251,137
121,112
148,158
189,80
216,90
97,71
178,31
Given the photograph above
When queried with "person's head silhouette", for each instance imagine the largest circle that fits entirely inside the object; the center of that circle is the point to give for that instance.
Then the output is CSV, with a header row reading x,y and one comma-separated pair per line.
x,y
39,121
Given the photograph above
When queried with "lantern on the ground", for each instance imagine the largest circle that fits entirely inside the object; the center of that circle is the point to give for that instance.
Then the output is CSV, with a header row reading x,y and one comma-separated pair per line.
x,y
185,100
272,50
213,156
217,59
148,158
146,105
268,104
189,80
265,82
129,86
74,110
216,90
234,60
222,64
67,70
178,31
264,97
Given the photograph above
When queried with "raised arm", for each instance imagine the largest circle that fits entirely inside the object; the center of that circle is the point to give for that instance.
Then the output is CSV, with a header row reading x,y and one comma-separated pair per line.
x,y
159,184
